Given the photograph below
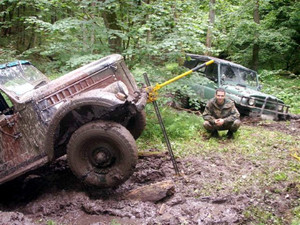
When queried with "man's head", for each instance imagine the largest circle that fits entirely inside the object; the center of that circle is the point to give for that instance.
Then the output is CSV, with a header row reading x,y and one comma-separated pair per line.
x,y
220,96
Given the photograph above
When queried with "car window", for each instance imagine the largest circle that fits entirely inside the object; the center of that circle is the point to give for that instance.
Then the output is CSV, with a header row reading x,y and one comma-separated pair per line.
x,y
228,72
249,77
238,76
20,78
211,72
190,63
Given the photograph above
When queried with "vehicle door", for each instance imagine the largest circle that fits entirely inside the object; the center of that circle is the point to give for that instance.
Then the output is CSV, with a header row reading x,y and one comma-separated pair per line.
x,y
211,73
15,151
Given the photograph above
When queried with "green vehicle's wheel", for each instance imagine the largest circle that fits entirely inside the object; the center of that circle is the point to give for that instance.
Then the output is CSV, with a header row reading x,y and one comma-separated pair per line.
x,y
102,154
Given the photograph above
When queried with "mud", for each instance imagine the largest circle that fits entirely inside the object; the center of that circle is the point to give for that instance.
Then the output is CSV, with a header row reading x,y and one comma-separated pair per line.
x,y
204,193
291,127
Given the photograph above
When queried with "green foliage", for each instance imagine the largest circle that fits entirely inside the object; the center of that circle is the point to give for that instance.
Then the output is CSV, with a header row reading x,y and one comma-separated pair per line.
x,y
280,176
179,125
285,87
261,216
159,31
296,213
51,222
7,55
114,222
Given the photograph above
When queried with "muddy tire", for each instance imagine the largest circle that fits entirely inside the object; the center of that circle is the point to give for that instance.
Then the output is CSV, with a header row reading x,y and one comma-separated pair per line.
x,y
102,154
137,124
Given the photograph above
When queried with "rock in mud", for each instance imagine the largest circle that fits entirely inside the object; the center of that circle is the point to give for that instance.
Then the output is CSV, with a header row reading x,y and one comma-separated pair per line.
x,y
152,193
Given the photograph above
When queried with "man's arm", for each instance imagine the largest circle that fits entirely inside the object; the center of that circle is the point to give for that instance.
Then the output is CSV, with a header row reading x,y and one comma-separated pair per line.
x,y
234,114
207,114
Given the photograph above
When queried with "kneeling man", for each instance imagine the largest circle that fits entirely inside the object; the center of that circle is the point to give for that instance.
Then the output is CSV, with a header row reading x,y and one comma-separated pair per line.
x,y
221,114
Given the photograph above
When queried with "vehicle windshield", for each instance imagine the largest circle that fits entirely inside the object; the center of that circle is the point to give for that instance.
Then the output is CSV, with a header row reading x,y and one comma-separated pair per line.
x,y
238,76
20,77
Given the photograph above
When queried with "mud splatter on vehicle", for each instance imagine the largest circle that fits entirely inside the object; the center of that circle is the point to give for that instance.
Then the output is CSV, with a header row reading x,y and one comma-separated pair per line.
x,y
93,114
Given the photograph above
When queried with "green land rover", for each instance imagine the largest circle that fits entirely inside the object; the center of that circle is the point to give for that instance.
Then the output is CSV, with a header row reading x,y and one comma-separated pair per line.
x,y
240,83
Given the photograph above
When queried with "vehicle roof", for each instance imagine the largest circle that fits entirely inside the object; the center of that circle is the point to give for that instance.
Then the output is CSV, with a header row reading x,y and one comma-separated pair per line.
x,y
217,60
15,63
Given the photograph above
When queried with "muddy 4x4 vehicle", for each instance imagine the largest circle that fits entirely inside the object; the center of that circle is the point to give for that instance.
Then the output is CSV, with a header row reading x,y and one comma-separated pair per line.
x,y
93,114
241,85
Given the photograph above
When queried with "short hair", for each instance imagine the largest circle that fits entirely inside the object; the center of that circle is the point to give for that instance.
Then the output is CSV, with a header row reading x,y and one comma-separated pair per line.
x,y
220,90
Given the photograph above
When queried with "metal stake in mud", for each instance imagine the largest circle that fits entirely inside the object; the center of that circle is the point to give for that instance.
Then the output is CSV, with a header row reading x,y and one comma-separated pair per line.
x,y
163,128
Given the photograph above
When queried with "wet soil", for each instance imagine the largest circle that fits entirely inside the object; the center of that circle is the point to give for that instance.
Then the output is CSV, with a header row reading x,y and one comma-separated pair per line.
x,y
203,193
291,127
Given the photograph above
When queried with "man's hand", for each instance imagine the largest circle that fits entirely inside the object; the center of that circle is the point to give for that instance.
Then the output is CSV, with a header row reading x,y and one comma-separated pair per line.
x,y
219,122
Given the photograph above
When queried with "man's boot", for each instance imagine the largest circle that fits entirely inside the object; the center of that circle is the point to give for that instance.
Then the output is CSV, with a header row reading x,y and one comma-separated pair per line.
x,y
229,134
214,134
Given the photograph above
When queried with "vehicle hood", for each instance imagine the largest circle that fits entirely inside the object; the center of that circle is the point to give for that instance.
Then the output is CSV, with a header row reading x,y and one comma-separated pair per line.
x,y
71,78
239,91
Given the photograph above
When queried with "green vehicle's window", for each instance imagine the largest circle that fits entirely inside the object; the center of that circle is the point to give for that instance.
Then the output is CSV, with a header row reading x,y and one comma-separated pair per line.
x,y
212,72
238,76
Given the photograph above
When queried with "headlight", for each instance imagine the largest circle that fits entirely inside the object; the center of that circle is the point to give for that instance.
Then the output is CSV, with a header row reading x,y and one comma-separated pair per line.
x,y
251,101
280,107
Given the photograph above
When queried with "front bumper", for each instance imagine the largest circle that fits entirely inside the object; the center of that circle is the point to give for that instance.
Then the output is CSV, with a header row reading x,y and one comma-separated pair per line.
x,y
265,106
140,99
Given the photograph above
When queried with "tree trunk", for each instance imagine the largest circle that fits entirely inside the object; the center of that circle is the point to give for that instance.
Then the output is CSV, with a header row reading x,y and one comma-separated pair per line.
x,y
148,39
211,22
111,23
255,50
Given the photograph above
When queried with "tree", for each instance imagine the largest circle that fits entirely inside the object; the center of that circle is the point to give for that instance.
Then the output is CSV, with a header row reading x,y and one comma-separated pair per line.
x,y
255,50
111,22
211,22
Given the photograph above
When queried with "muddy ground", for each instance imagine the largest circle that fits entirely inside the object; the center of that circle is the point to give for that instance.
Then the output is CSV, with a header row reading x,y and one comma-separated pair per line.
x,y
54,196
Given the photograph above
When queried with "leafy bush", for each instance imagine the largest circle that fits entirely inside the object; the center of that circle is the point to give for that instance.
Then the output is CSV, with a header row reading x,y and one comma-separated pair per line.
x,y
7,55
282,86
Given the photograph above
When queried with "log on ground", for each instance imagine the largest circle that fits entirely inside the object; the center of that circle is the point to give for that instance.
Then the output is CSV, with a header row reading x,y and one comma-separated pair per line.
x,y
153,192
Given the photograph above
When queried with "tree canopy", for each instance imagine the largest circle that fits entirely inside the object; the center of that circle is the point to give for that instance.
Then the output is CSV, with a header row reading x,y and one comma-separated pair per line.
x,y
67,34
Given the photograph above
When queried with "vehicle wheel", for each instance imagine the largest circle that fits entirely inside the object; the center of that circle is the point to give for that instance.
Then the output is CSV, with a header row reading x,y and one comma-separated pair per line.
x,y
137,124
102,154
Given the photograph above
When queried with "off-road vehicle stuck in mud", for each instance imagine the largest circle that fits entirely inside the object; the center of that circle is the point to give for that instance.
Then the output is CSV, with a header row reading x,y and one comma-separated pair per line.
x,y
240,83
92,114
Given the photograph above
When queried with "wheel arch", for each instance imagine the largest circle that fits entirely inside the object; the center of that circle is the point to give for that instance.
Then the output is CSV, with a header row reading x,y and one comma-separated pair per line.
x,y
65,115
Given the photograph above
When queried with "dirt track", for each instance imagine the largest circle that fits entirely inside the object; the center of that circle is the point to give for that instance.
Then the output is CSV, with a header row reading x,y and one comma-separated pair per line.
x,y
57,195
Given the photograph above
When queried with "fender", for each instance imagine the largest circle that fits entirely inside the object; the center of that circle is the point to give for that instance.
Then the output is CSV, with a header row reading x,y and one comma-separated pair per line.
x,y
93,97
